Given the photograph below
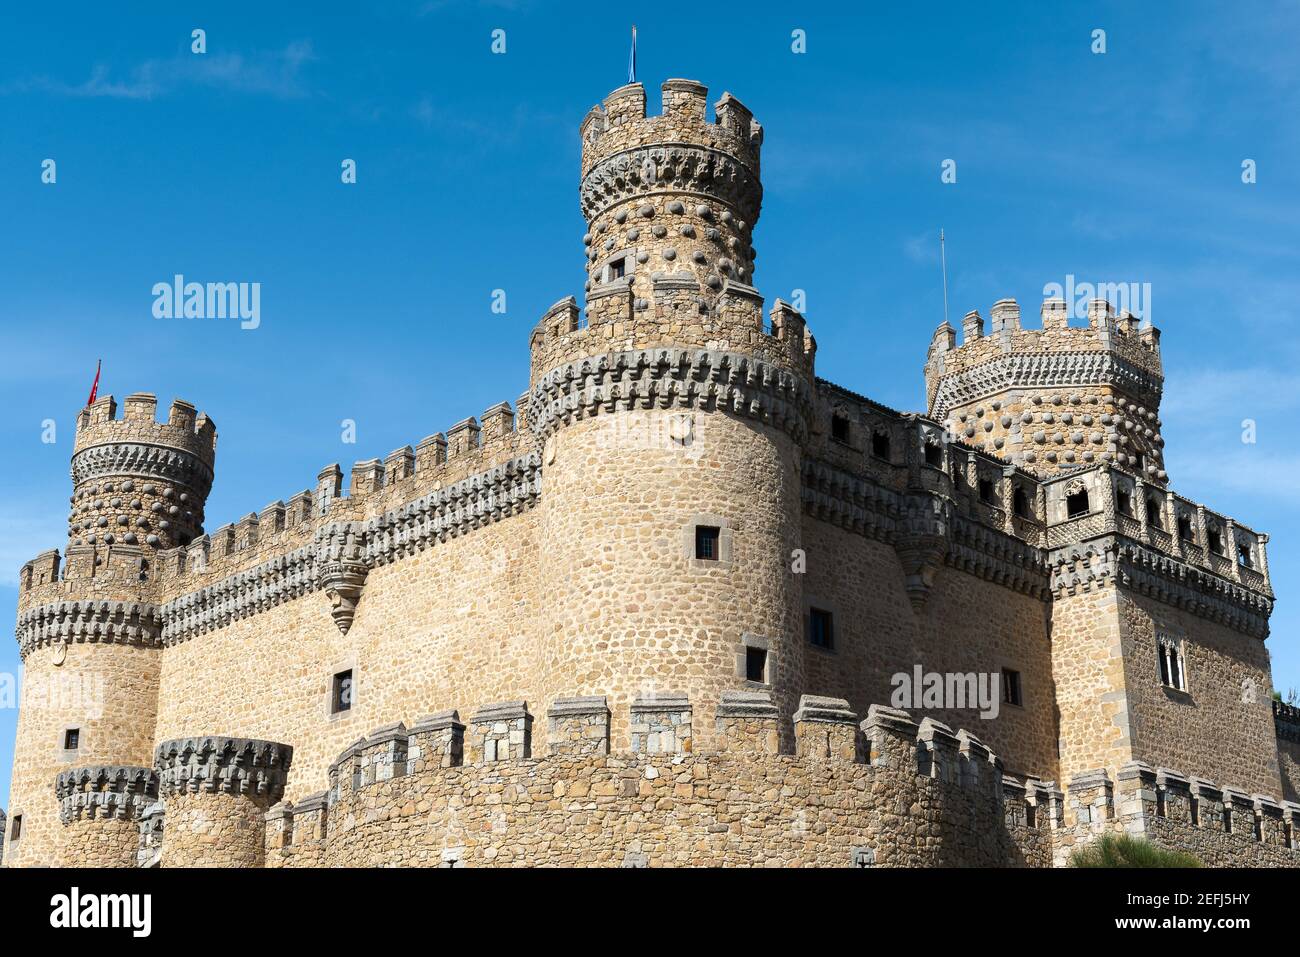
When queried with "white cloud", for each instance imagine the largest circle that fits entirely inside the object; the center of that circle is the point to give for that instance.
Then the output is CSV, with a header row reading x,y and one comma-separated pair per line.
x,y
276,73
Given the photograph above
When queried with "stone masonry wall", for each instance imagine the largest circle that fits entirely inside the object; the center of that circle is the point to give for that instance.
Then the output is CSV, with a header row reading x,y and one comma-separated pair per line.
x,y
455,622
968,625
214,830
1227,699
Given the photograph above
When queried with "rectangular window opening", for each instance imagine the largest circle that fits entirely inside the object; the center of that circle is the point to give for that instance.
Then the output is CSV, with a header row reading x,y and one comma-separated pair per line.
x,y
880,445
617,269
840,428
16,828
933,455
756,664
986,491
1011,687
71,739
341,692
1077,504
1020,501
707,540
821,628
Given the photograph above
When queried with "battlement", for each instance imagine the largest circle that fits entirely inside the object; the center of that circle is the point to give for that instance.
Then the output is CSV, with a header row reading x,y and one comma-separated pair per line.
x,y
1123,335
137,481
1220,825
617,321
479,788
620,122
185,429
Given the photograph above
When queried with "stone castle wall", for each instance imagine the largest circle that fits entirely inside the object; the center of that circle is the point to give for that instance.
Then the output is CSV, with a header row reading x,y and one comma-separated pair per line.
x,y
886,801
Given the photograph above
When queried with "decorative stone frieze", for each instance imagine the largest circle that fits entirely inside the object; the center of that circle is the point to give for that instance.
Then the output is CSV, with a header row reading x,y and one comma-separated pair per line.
x,y
214,764
116,792
671,379
77,622
1038,371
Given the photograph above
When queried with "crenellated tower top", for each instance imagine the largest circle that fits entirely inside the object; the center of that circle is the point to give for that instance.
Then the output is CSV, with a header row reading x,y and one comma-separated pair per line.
x,y
136,481
673,195
1056,397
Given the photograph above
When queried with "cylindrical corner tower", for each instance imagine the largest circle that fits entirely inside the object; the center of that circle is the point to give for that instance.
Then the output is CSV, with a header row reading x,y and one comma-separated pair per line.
x,y
671,423
89,629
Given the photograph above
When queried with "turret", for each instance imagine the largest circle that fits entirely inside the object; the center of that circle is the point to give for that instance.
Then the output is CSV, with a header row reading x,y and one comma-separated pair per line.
x,y
671,195
1056,397
673,386
89,630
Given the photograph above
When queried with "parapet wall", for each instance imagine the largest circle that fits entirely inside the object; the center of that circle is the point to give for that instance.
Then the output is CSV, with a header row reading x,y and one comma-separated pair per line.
x,y
885,793
1221,826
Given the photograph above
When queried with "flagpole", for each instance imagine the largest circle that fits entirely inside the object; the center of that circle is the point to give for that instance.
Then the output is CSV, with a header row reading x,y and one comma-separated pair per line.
x,y
943,259
631,63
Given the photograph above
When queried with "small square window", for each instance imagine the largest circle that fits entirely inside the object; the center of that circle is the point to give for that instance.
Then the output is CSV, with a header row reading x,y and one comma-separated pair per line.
x,y
71,739
16,828
617,268
933,455
880,445
706,542
1011,688
986,491
756,664
341,692
821,628
840,428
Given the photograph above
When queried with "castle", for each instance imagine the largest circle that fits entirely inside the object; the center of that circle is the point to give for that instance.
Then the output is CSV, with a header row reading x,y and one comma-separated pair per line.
x,y
650,615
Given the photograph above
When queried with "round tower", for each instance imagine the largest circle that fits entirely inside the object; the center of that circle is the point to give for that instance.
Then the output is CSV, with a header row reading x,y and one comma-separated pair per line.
x,y
671,418
89,631
669,194
140,482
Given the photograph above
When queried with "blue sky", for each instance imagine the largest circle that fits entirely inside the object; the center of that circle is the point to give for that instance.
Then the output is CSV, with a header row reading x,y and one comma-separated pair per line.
x,y
376,297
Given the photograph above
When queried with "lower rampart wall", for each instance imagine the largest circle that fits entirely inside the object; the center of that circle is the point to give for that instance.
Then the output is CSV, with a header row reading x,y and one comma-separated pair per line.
x,y
889,793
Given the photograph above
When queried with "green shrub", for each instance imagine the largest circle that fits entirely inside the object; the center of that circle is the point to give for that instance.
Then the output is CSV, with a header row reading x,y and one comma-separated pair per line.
x,y
1121,850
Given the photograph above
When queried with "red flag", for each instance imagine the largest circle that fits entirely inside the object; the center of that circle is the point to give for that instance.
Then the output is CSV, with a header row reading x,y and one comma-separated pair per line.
x,y
94,386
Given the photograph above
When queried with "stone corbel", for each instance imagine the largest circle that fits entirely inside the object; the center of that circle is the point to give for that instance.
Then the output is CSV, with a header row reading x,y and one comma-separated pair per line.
x,y
343,571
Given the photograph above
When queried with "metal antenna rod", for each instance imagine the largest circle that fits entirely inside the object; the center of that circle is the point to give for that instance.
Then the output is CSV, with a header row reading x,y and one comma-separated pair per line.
x,y
943,259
